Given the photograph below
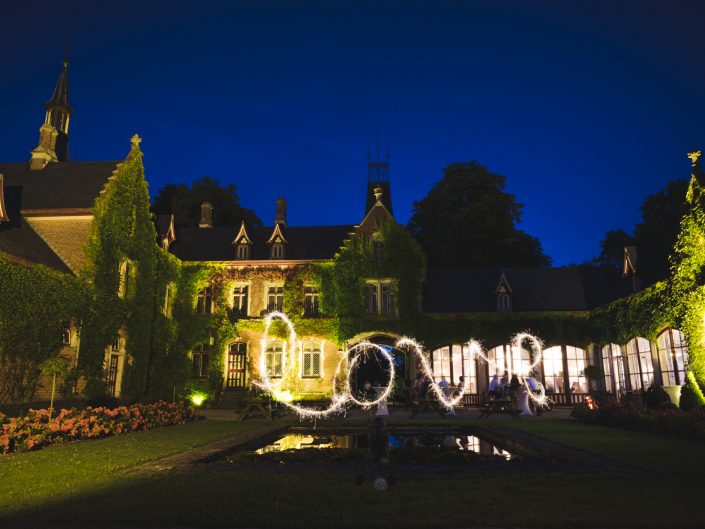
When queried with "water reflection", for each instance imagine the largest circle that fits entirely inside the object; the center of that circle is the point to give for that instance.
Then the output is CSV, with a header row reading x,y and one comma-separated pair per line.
x,y
461,442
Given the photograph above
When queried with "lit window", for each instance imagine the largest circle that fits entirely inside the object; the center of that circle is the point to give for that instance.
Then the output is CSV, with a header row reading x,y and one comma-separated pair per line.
x,y
613,366
274,358
310,301
204,304
673,355
311,361
553,369
641,367
240,300
275,298
577,360
201,358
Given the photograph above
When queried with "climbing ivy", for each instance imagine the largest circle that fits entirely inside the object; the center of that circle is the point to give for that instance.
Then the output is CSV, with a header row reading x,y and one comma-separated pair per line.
x,y
687,283
37,302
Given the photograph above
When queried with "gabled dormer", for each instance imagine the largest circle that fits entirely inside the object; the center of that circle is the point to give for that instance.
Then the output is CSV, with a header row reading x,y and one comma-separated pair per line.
x,y
277,243
3,210
243,244
377,215
504,295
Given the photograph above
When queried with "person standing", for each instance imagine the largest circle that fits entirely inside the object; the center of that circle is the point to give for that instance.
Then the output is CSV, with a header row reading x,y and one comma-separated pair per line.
x,y
514,390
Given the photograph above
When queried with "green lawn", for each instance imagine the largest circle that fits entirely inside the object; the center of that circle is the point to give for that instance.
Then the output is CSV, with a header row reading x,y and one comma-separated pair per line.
x,y
91,491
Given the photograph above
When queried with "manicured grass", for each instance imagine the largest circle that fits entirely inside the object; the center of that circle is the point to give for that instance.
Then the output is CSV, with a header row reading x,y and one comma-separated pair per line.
x,y
654,452
90,493
63,471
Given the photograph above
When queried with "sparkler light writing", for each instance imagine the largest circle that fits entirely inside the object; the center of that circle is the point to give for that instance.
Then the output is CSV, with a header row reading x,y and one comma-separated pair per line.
x,y
349,361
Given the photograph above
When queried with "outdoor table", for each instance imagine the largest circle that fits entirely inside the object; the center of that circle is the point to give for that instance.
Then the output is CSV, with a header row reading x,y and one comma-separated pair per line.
x,y
428,405
382,406
499,406
257,408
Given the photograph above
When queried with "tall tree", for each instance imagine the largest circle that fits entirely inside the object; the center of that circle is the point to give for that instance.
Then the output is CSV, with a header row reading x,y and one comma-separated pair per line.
x,y
654,236
185,203
468,220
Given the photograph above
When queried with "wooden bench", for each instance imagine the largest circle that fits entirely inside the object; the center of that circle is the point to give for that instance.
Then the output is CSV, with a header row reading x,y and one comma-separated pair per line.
x,y
428,405
499,406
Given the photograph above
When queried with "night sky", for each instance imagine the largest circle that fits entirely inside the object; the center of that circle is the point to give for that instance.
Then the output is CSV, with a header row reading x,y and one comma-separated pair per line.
x,y
586,107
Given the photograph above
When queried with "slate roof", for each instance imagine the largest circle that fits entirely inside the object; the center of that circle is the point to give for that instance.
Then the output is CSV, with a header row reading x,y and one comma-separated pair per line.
x,y
459,290
303,242
62,185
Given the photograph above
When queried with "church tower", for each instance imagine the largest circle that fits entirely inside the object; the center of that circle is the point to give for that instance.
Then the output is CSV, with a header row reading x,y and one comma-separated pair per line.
x,y
54,132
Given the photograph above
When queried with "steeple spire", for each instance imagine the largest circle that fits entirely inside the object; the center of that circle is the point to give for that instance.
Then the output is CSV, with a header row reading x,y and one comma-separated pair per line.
x,y
54,133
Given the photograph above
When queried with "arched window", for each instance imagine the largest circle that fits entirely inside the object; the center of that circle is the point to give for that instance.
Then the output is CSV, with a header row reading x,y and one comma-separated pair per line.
x,y
277,251
673,356
577,360
506,358
553,373
613,366
452,362
641,368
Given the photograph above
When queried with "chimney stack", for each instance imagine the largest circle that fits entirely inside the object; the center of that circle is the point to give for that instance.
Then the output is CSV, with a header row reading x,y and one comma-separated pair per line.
x,y
280,217
206,215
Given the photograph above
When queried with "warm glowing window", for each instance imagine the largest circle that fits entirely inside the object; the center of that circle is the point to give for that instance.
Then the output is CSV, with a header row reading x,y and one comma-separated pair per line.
x,y
577,360
311,360
441,363
200,359
553,369
275,297
204,304
453,362
274,358
641,368
673,356
240,300
613,366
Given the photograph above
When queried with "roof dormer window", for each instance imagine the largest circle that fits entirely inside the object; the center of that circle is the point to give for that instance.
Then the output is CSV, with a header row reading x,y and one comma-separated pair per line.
x,y
278,250
243,251
504,294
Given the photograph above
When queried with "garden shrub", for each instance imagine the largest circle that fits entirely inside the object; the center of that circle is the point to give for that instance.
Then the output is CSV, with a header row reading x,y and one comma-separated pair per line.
x,y
37,430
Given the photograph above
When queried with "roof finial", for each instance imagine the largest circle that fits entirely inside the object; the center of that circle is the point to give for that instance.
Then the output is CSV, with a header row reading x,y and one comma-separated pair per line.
x,y
136,140
694,157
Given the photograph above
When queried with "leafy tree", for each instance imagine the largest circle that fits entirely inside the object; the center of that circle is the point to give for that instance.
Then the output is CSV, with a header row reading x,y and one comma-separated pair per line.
x,y
468,220
654,237
612,246
185,203
53,367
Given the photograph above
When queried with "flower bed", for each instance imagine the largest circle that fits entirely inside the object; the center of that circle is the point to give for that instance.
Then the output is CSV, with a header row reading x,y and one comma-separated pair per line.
x,y
666,421
35,430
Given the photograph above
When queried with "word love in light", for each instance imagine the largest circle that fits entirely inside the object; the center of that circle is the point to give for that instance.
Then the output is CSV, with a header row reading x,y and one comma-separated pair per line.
x,y
345,395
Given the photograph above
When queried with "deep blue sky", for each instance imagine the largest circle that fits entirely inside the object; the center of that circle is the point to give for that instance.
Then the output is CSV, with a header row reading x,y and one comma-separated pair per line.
x,y
586,107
